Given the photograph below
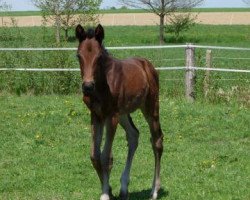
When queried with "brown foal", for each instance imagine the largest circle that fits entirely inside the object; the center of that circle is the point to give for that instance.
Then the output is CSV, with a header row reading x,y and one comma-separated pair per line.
x,y
112,89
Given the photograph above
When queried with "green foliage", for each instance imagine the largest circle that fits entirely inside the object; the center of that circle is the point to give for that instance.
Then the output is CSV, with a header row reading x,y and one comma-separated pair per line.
x,y
4,6
63,13
45,145
179,24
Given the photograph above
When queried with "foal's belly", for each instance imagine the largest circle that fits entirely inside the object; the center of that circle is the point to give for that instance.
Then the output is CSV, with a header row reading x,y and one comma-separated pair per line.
x,y
128,102
128,85
132,93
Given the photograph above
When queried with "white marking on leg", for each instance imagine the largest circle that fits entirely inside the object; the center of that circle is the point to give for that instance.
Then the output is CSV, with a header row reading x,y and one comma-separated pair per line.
x,y
105,197
155,195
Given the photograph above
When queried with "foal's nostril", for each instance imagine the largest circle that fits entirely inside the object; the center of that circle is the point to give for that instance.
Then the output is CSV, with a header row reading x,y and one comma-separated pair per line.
x,y
88,87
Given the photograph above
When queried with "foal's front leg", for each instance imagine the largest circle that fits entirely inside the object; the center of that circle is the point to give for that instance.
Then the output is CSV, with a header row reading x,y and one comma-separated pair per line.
x,y
97,132
106,156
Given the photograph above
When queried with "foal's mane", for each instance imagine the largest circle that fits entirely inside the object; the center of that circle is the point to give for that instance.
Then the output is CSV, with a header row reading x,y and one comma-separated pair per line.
x,y
90,33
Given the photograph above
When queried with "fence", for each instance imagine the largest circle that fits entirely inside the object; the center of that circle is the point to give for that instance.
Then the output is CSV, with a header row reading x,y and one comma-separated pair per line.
x,y
190,67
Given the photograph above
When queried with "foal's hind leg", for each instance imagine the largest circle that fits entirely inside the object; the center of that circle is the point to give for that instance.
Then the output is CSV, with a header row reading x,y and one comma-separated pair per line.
x,y
152,117
132,136
156,140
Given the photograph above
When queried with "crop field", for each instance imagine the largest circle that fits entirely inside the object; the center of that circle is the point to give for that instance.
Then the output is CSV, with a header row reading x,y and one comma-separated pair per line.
x,y
138,19
45,131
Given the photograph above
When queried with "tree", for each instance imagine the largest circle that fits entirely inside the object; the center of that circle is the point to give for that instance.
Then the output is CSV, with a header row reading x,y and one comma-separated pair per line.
x,y
67,13
247,2
180,23
4,7
162,8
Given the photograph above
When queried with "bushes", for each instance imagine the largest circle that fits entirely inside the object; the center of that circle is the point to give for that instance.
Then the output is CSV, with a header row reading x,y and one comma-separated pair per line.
x,y
39,82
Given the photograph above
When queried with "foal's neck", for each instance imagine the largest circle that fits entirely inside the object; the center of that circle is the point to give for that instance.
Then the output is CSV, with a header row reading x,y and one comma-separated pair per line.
x,y
104,62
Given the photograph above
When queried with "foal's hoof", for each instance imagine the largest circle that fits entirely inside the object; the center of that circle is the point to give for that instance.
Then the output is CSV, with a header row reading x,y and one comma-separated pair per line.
x,y
105,197
123,196
154,196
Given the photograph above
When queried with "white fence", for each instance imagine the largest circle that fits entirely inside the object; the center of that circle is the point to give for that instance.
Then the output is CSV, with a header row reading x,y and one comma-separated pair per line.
x,y
187,46
190,67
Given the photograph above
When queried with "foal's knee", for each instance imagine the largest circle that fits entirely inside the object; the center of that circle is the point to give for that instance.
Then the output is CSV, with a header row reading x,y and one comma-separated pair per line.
x,y
157,142
95,159
111,163
159,145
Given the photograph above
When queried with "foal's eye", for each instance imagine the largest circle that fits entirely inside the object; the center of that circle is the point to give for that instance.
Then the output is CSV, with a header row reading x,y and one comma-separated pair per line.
x,y
78,56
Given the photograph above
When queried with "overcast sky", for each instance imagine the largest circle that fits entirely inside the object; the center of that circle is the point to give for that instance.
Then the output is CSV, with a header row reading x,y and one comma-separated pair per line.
x,y
27,5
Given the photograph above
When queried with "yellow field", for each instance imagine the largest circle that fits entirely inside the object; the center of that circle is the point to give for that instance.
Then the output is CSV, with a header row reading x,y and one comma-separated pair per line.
x,y
140,19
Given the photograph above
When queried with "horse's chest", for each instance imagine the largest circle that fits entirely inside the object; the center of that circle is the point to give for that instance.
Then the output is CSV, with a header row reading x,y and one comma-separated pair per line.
x,y
99,106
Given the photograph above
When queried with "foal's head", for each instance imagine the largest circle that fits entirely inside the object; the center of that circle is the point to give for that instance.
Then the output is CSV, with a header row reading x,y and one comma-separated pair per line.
x,y
88,53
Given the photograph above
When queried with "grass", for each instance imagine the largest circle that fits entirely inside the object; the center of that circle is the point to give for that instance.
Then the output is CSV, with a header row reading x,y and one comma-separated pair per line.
x,y
221,9
45,144
20,13
226,35
123,10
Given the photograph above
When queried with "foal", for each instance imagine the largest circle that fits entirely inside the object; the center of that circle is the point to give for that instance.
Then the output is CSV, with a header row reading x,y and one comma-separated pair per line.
x,y
112,89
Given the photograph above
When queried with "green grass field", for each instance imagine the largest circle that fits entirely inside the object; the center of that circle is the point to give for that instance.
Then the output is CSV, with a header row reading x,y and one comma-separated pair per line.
x,y
45,142
44,127
122,10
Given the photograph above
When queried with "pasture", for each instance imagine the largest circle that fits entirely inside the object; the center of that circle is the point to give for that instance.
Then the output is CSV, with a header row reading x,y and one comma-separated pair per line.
x,y
44,126
45,144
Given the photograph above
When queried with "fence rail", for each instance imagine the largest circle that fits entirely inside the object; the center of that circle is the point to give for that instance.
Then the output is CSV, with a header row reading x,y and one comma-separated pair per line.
x,y
133,48
157,68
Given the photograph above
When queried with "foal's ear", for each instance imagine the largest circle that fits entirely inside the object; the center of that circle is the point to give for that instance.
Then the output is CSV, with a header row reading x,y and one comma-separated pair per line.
x,y
80,33
99,33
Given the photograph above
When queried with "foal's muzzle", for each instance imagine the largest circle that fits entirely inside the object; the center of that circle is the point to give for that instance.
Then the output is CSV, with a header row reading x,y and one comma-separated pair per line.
x,y
88,88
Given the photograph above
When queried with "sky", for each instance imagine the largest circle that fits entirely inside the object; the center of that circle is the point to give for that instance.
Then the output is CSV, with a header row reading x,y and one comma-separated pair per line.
x,y
24,5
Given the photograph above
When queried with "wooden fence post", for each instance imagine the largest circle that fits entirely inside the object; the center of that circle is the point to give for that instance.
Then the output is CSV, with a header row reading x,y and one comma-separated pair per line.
x,y
206,82
190,73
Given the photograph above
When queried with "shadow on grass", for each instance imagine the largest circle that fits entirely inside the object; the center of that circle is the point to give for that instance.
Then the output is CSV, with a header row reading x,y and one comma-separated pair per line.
x,y
145,194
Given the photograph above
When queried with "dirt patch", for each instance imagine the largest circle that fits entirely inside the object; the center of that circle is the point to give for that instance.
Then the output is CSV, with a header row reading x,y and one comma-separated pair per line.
x,y
141,19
